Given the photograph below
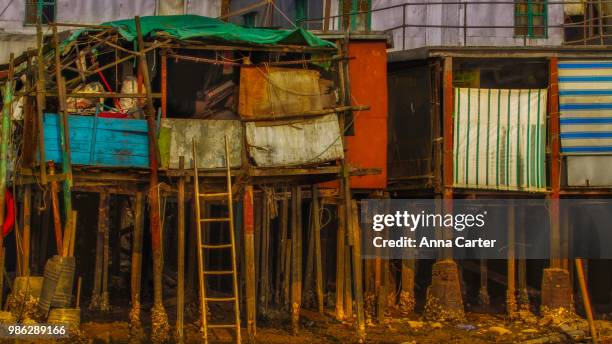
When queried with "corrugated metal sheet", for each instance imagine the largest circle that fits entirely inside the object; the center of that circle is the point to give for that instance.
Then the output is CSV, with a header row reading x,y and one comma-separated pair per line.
x,y
306,142
266,92
177,135
585,102
106,142
500,138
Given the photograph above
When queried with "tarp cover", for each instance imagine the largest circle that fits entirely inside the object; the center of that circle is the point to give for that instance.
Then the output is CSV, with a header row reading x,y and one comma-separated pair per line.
x,y
192,26
500,138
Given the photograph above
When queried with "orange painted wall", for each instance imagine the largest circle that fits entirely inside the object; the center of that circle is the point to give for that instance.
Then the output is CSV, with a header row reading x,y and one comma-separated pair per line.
x,y
368,84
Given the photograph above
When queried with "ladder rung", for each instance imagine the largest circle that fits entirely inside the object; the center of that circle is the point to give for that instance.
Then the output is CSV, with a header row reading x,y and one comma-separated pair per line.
x,y
220,299
214,194
216,245
221,326
216,219
219,272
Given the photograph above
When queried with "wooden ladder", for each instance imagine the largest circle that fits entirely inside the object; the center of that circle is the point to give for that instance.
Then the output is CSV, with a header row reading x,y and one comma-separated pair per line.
x,y
203,273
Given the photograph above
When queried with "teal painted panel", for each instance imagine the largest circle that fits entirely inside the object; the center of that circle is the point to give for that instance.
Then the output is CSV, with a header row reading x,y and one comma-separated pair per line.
x,y
114,142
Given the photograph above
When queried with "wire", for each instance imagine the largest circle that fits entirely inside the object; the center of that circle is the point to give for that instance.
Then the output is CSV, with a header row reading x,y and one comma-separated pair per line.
x,y
5,8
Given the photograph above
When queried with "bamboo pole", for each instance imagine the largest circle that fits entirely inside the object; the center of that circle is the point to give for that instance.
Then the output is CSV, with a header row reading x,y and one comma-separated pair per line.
x,y
78,294
180,306
296,253
585,298
57,221
4,150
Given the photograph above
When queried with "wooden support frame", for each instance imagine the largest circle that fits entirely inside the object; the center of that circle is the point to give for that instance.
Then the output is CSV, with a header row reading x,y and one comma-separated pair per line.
x,y
554,142
296,254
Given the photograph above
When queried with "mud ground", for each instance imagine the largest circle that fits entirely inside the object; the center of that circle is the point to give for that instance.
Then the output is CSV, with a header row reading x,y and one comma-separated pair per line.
x,y
398,328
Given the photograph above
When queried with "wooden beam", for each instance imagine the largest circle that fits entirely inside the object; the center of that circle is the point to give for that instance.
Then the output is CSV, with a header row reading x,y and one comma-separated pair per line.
x,y
511,291
340,239
357,271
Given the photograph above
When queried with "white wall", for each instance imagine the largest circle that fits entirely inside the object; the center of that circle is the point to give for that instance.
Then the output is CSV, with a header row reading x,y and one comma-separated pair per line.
x,y
453,14
19,37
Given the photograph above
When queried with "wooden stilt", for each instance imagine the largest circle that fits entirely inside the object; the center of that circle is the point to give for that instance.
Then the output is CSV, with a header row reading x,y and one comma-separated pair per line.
x,y
98,271
27,199
281,273
104,212
522,267
286,254
136,267
180,299
483,293
357,271
191,246
57,222
580,275
348,285
296,253
340,263
511,292
316,220
265,253
249,252
308,291
160,326
382,299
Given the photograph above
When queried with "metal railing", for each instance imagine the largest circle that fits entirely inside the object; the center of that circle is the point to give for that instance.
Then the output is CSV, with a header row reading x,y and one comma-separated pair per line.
x,y
593,28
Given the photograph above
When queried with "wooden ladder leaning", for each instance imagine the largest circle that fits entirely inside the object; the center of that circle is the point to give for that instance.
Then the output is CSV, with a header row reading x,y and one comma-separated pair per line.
x,y
203,273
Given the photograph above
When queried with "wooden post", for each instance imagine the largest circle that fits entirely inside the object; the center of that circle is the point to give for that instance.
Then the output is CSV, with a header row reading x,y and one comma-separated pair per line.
x,y
308,291
585,299
40,103
249,252
27,199
522,265
340,263
64,134
483,293
180,299
264,252
348,285
357,271
511,292
281,274
57,221
4,150
136,268
555,165
296,253
160,326
96,300
316,218
164,83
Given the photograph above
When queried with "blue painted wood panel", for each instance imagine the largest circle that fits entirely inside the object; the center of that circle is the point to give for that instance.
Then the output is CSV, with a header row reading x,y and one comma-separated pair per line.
x,y
104,142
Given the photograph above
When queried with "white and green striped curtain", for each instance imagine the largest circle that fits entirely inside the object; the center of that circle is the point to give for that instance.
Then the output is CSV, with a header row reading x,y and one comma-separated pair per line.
x,y
499,138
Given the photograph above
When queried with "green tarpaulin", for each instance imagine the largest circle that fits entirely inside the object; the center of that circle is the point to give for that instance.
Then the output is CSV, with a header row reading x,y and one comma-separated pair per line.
x,y
193,26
